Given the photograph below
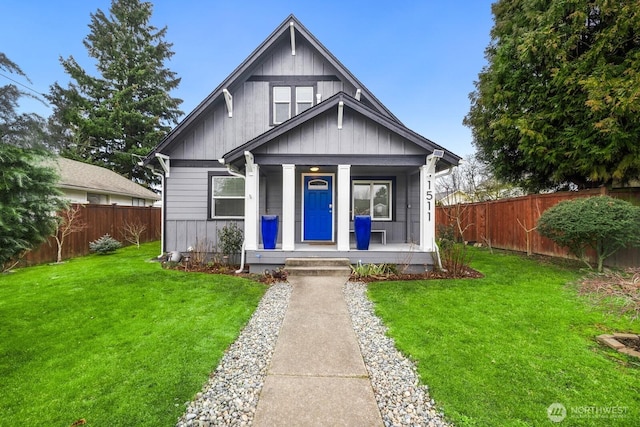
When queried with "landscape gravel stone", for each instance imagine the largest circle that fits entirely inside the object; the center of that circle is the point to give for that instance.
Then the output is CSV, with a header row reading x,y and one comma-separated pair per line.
x,y
401,399
230,397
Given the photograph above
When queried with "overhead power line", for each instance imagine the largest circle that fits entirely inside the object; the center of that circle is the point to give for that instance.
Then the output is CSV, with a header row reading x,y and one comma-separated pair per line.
x,y
21,84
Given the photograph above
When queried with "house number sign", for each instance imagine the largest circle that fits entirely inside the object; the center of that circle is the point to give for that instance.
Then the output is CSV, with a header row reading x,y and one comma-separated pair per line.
x,y
429,197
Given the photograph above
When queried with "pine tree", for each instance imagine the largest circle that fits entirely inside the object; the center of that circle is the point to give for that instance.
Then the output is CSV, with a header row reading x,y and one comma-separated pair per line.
x,y
112,119
559,99
28,196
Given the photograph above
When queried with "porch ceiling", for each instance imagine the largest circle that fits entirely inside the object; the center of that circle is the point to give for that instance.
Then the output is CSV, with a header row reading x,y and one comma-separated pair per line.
x,y
355,170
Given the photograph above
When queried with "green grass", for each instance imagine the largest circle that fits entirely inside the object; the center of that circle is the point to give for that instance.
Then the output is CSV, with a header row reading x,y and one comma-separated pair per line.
x,y
498,351
115,340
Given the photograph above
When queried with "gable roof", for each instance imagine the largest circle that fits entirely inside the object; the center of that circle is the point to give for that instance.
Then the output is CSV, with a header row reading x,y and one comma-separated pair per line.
x,y
348,101
76,175
244,70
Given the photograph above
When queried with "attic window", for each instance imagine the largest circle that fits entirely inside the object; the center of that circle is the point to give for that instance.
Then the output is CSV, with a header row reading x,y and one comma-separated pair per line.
x,y
289,100
304,98
281,103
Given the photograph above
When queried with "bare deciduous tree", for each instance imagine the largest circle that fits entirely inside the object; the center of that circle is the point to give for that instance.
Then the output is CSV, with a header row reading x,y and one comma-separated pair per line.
x,y
67,223
132,231
476,180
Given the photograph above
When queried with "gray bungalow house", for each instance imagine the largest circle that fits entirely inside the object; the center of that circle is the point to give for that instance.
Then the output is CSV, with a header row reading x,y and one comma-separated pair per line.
x,y
292,133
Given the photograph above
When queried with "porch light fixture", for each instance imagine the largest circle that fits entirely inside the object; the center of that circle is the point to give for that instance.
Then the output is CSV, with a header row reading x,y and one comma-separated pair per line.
x,y
314,168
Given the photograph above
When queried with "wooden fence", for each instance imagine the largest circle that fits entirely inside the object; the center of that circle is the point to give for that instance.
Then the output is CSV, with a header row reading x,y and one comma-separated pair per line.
x,y
510,223
99,220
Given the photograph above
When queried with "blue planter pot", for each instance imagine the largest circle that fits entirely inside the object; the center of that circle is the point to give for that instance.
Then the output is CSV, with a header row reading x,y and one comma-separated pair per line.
x,y
269,231
362,227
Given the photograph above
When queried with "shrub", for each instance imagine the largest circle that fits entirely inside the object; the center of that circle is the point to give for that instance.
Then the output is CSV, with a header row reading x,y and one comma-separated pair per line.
x,y
105,245
230,239
455,257
602,223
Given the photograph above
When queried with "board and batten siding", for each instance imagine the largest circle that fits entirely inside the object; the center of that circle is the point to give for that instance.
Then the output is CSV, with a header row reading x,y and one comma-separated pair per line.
x,y
188,223
187,220
215,133
357,136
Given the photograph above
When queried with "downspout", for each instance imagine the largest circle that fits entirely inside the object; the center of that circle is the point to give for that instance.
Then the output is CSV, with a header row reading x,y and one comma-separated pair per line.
x,y
244,240
163,198
161,211
435,244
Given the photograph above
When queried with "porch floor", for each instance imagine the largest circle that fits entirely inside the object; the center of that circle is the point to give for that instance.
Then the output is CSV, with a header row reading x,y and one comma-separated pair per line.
x,y
407,256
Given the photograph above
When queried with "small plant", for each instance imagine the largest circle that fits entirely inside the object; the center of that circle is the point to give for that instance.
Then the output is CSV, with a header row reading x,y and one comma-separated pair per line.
x,y
273,276
200,251
105,245
372,271
455,257
230,239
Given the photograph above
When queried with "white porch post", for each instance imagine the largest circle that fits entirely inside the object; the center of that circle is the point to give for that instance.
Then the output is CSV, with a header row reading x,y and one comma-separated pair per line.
x,y
344,190
427,206
251,202
288,207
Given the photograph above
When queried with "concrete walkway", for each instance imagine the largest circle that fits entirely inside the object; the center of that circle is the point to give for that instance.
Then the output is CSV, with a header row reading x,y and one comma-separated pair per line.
x,y
317,375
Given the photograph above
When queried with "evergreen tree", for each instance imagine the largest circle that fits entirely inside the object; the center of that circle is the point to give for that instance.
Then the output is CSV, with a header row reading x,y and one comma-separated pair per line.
x,y
559,99
124,112
28,196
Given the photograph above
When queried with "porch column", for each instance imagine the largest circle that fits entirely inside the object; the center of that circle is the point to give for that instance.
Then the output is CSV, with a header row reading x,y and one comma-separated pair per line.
x,y
344,190
251,202
427,208
288,207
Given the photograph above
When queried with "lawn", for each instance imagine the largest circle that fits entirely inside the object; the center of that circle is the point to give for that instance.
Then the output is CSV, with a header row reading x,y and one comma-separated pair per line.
x,y
113,340
498,351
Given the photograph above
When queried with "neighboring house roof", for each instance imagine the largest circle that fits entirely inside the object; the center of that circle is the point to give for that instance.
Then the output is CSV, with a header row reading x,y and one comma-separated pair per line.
x,y
245,70
76,175
452,198
396,127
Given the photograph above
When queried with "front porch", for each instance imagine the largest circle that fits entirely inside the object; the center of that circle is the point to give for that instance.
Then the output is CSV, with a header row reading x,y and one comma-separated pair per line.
x,y
408,257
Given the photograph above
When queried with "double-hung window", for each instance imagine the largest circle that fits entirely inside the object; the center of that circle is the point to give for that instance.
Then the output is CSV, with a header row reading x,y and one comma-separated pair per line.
x,y
373,197
304,98
227,197
281,103
289,100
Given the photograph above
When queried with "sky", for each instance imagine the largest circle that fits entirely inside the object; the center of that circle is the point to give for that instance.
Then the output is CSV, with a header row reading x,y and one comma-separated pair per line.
x,y
420,58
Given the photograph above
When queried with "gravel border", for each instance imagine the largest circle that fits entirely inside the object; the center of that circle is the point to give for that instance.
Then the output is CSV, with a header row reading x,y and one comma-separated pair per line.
x,y
401,399
231,395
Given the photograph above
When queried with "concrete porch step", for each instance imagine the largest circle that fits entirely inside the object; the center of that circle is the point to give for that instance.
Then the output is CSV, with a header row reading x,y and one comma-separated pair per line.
x,y
317,261
317,266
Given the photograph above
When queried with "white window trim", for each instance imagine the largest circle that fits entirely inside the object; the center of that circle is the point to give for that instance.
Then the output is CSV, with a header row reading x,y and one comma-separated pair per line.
x,y
214,198
277,101
299,100
372,182
293,101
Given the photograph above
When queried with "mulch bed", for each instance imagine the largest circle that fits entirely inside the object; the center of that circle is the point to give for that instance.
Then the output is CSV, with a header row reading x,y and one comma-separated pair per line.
x,y
467,273
277,275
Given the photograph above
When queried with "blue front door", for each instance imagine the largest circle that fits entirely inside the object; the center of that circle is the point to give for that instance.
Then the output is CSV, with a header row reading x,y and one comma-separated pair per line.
x,y
318,207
